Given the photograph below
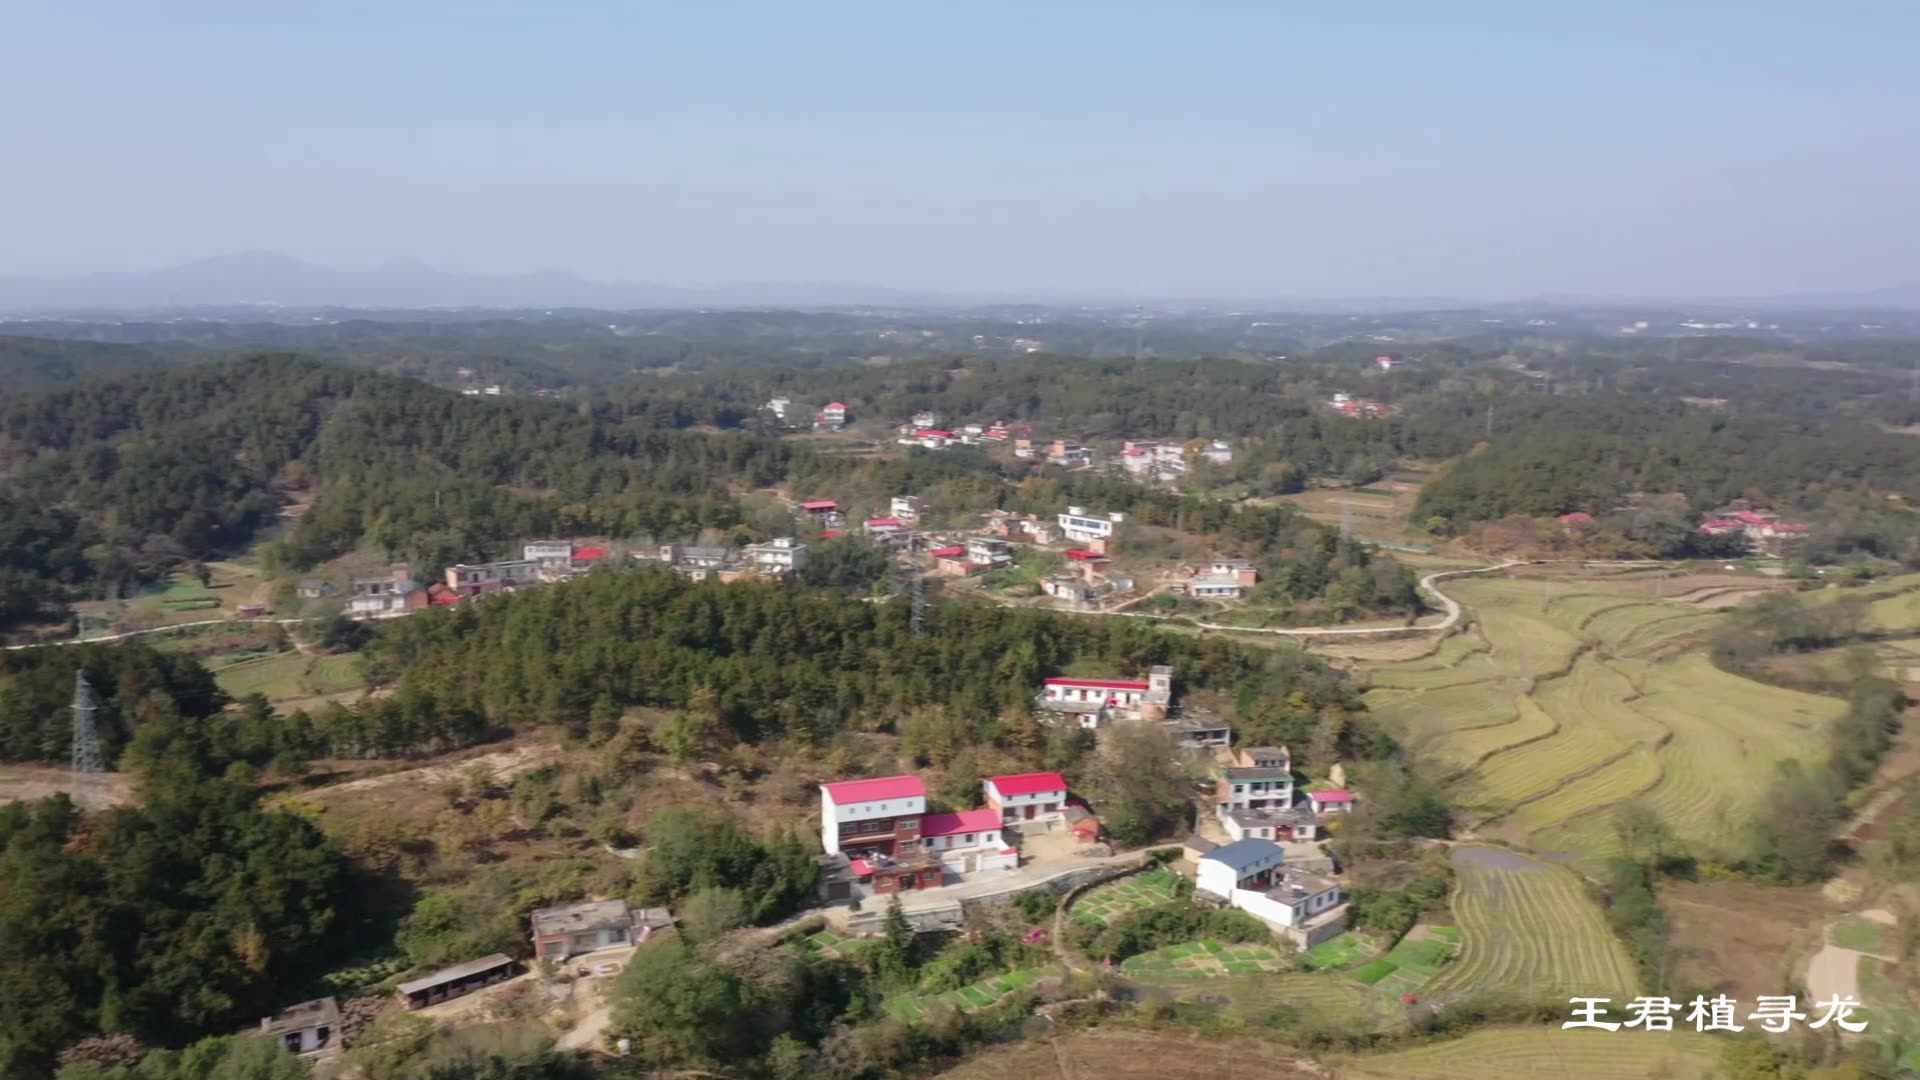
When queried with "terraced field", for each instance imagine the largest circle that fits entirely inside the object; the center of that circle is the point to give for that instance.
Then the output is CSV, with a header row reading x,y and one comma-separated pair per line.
x,y
1566,699
1526,1053
1529,927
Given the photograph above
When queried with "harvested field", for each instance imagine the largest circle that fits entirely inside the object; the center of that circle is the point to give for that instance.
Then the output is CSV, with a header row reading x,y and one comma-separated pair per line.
x,y
1526,1053
1569,696
1529,927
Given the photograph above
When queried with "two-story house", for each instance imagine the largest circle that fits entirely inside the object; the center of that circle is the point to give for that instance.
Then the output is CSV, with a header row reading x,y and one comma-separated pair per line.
x,y
1078,525
1035,796
394,593
781,555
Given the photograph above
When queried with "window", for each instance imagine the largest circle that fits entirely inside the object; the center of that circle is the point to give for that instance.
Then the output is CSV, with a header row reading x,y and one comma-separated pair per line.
x,y
969,838
320,1036
292,1039
907,823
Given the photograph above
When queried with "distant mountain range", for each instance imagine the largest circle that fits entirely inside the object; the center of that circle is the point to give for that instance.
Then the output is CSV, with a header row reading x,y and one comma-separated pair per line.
x,y
266,279
270,280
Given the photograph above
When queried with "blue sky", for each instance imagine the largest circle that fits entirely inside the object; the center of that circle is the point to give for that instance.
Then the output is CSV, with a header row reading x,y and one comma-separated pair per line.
x,y
1060,148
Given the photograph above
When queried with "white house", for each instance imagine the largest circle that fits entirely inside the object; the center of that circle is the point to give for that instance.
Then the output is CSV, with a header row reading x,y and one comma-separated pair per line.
x,y
1291,823
1331,801
1309,908
884,527
878,814
1244,865
1250,875
1218,452
558,552
989,551
926,418
908,507
1079,525
306,1028
782,554
968,841
778,406
1034,796
1255,778
381,596
1062,692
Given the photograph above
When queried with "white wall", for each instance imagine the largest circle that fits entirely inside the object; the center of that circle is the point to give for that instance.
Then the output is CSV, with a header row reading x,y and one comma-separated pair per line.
x,y
833,815
1262,906
989,838
1016,802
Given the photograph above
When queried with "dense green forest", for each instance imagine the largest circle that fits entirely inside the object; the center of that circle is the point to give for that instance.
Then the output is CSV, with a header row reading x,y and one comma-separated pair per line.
x,y
747,663
175,919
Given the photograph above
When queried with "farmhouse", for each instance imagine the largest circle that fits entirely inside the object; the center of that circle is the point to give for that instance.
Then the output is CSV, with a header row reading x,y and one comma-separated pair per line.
x,y
988,552
1023,527
1240,866
831,417
1078,525
305,1029
908,507
382,596
457,981
951,561
1198,728
884,527
548,552
926,418
1331,801
1062,587
571,929
1250,875
781,555
1289,823
1080,695
1255,778
867,817
968,841
824,512
778,407
480,579
1035,796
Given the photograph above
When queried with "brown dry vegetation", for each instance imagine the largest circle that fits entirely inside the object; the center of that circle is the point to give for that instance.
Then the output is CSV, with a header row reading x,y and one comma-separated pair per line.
x,y
1742,938
1109,1053
22,783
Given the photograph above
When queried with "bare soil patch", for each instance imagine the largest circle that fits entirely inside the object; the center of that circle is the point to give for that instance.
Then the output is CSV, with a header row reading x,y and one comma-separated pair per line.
x,y
1110,1053
24,783
1742,938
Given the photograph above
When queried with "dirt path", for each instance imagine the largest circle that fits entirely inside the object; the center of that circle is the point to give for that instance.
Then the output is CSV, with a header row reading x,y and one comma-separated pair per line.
x,y
1834,971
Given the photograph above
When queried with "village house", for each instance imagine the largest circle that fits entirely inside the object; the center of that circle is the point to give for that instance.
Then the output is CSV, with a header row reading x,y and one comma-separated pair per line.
x,y
831,417
908,507
1197,728
882,528
548,554
1078,525
1089,702
1082,825
442,594
394,593
1254,778
1221,579
1069,455
1027,528
989,553
1250,875
778,407
566,931
1239,866
1026,797
1217,452
781,555
951,560
1764,532
824,512
480,579
926,418
307,1029
1063,587
314,588
967,842
585,558
457,981
1288,823
1331,801
875,824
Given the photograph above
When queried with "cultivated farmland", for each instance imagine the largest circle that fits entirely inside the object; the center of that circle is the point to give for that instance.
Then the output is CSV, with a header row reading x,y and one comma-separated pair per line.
x,y
1565,699
1529,928
1525,1053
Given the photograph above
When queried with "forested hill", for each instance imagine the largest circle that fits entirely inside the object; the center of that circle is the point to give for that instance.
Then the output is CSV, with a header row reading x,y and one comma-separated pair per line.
x,y
29,364
112,481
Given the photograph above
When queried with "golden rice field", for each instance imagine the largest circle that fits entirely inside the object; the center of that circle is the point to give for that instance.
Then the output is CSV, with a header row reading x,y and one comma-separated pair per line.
x,y
1531,928
1566,699
1526,1053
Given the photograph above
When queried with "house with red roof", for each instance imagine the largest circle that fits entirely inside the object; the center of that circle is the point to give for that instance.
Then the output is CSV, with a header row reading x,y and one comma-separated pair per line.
x,y
1578,517
1034,796
951,561
884,527
1330,801
831,417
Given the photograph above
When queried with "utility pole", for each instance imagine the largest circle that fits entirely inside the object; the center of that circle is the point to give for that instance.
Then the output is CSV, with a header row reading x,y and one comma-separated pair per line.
x,y
86,737
1489,420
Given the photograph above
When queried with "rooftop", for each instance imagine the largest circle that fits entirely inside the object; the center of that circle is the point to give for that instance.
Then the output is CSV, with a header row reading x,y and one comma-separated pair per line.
x,y
1296,883
883,787
1291,816
1103,684
454,973
948,552
1028,783
304,1015
574,918
1331,795
1244,853
966,821
1257,772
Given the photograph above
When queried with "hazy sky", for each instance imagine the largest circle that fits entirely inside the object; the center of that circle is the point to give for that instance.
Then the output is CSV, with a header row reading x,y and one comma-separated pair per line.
x,y
1170,149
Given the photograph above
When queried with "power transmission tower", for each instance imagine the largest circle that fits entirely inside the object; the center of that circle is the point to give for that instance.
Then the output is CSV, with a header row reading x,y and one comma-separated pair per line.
x,y
86,737
917,583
